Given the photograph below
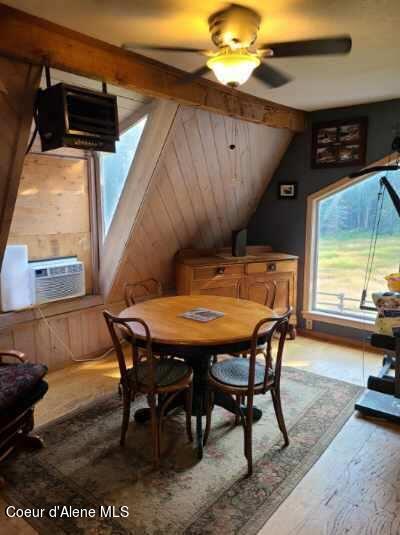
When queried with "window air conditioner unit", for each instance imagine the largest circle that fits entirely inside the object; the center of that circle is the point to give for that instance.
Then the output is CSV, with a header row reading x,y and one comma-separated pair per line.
x,y
55,279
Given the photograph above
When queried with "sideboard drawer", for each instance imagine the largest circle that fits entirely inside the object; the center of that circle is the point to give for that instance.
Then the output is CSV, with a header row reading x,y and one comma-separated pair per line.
x,y
271,267
235,271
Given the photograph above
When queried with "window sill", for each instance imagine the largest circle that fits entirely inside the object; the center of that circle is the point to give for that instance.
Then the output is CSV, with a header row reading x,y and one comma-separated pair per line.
x,y
354,323
10,319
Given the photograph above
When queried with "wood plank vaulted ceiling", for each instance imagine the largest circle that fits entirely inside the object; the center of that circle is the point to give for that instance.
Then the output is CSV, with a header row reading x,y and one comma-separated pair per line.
x,y
369,73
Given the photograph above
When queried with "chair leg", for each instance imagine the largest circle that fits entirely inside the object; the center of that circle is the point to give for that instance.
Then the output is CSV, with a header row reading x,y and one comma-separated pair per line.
x,y
210,401
237,415
155,429
276,399
248,431
189,403
127,399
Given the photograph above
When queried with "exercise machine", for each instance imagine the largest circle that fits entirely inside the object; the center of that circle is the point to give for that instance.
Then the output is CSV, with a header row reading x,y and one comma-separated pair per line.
x,y
382,398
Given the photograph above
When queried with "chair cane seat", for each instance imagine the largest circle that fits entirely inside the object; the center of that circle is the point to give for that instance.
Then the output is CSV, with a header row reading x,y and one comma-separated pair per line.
x,y
235,372
167,372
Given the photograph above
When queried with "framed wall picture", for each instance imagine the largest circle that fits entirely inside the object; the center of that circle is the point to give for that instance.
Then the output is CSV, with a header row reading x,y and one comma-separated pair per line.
x,y
287,190
339,143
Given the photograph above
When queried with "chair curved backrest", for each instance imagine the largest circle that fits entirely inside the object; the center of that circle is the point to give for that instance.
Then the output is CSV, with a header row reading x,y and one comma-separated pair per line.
x,y
279,324
123,328
142,291
269,287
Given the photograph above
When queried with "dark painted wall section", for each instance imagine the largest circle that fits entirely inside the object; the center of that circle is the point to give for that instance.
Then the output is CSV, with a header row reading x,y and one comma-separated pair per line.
x,y
282,223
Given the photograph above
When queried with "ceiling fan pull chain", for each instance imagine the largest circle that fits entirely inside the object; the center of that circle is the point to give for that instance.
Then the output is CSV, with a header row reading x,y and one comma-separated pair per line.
x,y
233,147
237,159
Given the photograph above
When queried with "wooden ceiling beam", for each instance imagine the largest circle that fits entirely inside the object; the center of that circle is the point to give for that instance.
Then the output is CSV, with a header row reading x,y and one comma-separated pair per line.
x,y
20,82
37,41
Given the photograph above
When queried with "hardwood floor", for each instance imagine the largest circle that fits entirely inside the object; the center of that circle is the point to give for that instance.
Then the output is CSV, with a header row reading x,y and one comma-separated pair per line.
x,y
353,488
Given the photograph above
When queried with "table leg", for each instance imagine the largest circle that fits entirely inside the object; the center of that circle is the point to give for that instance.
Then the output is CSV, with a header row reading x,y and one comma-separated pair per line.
x,y
143,415
200,368
199,436
227,402
199,400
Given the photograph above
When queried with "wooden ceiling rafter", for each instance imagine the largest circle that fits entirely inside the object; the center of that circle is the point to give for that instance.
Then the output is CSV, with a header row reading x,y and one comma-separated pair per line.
x,y
38,41
20,82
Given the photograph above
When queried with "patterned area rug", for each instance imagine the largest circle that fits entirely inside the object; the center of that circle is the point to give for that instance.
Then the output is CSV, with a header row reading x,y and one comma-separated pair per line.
x,y
84,467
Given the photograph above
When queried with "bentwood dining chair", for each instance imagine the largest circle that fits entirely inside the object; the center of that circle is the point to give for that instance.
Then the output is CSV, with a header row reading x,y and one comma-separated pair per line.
x,y
159,379
138,292
263,292
243,379
142,291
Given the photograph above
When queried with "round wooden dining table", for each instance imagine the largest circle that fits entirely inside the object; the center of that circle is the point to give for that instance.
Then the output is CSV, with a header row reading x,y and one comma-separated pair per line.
x,y
197,342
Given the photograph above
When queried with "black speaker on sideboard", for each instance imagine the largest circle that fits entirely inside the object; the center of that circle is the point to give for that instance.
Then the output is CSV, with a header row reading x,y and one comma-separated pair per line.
x,y
239,242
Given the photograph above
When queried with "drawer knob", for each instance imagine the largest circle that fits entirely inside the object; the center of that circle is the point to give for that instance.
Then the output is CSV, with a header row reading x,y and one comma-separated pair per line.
x,y
220,271
271,267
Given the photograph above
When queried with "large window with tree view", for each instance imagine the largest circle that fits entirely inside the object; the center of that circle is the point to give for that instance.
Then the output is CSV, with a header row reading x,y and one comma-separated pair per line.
x,y
344,224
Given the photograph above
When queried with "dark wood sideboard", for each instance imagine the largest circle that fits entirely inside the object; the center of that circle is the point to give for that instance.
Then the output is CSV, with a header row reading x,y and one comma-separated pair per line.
x,y
217,272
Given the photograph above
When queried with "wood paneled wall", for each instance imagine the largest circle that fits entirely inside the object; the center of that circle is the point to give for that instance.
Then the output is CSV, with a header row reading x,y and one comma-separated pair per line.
x,y
51,213
57,339
80,332
200,191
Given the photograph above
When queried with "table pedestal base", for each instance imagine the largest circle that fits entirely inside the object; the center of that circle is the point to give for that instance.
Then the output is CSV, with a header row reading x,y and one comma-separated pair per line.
x,y
200,363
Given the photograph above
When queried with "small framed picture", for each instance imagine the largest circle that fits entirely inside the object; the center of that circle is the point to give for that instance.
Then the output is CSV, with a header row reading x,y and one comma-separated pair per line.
x,y
287,190
339,143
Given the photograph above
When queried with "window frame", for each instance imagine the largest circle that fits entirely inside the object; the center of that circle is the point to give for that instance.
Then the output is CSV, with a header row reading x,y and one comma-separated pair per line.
x,y
125,125
311,248
93,298
161,119
96,297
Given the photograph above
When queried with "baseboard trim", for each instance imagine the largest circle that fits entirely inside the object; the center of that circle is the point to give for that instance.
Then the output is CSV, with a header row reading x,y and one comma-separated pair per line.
x,y
340,340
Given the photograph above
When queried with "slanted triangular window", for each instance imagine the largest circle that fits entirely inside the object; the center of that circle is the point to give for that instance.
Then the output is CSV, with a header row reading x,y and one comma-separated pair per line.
x,y
114,170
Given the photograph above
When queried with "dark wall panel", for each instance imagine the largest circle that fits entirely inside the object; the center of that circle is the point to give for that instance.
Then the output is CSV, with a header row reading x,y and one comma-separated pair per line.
x,y
282,224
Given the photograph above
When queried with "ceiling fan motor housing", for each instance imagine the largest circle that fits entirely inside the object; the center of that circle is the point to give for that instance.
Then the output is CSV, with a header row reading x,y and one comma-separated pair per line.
x,y
235,26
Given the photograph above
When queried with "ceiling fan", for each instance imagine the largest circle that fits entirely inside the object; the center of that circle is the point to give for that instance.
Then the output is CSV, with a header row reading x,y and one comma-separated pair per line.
x,y
234,31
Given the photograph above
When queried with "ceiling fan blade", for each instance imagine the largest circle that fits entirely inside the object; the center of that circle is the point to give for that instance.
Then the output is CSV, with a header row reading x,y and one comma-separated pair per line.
x,y
271,76
201,71
310,47
137,46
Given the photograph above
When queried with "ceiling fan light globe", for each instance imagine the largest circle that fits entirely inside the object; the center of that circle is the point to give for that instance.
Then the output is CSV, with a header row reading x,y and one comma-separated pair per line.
x,y
233,69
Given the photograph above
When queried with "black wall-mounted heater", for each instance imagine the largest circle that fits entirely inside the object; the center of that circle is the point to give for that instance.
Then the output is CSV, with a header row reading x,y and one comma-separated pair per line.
x,y
69,116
